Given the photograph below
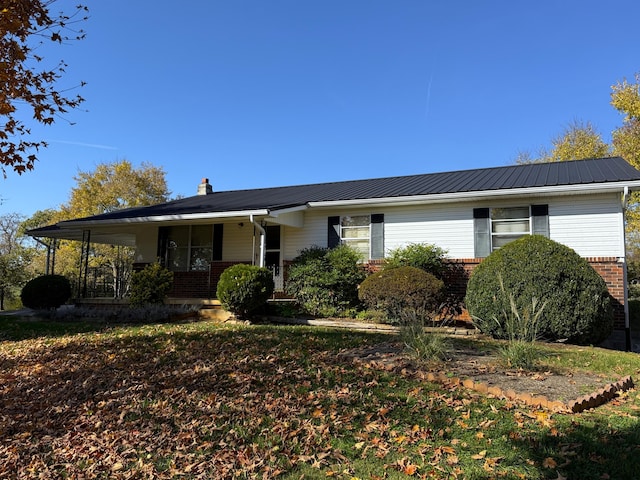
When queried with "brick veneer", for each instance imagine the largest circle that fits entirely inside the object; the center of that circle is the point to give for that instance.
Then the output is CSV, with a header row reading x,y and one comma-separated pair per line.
x,y
198,284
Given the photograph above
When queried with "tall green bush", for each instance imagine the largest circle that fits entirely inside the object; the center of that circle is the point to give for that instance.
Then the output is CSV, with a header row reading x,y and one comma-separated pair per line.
x,y
325,281
244,289
405,294
431,259
150,285
537,269
46,292
424,256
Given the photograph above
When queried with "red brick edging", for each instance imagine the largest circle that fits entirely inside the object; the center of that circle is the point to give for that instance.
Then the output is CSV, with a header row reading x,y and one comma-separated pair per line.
x,y
580,404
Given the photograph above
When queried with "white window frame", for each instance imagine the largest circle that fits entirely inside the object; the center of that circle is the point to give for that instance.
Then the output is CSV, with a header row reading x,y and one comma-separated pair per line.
x,y
348,240
486,230
513,221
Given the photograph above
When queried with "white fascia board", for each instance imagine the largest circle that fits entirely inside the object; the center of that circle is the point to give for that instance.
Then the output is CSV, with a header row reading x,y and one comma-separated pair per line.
x,y
298,208
164,218
483,195
292,217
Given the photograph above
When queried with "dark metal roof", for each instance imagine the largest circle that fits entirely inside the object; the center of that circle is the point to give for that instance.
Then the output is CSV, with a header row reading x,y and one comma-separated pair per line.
x,y
603,170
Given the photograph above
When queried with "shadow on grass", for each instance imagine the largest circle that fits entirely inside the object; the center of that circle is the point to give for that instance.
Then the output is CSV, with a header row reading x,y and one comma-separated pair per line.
x,y
15,328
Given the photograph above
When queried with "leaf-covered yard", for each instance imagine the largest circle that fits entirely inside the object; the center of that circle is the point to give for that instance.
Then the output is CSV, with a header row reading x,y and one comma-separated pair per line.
x,y
200,400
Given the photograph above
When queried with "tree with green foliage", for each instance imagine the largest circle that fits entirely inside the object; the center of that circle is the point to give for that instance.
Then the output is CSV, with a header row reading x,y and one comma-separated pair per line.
x,y
578,141
109,187
14,258
26,89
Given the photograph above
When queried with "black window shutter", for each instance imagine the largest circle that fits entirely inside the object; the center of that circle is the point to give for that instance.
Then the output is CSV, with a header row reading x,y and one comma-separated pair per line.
x,y
481,232
333,232
163,238
540,220
217,241
377,236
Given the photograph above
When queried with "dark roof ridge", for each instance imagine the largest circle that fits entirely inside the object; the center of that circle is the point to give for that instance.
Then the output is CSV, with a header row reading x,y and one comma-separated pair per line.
x,y
466,171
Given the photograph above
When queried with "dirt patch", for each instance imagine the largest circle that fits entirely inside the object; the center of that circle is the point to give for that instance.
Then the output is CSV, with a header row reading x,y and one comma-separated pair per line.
x,y
482,371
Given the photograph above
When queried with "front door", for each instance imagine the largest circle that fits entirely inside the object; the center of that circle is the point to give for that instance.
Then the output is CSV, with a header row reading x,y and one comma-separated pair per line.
x,y
272,258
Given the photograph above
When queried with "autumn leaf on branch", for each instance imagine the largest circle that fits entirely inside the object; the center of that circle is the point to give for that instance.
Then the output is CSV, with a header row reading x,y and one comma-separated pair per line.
x,y
24,85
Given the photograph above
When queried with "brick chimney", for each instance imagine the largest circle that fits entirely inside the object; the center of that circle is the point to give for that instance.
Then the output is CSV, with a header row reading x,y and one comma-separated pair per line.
x,y
205,187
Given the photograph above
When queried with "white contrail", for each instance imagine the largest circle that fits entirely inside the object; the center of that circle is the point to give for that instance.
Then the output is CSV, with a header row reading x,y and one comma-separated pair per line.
x,y
426,110
82,144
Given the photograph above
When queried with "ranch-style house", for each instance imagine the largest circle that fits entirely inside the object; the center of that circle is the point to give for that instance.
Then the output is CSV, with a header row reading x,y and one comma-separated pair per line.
x,y
468,213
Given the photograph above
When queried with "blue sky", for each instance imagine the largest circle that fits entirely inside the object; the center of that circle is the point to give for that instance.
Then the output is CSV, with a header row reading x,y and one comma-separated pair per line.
x,y
259,93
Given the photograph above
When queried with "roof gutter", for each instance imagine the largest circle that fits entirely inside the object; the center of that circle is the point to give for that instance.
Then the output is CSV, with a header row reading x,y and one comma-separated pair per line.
x,y
165,218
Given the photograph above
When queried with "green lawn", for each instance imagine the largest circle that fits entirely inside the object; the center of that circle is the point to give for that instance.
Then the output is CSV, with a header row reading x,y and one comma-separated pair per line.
x,y
200,400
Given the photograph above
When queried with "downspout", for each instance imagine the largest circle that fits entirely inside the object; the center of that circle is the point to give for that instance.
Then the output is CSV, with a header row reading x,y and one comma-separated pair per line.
x,y
263,235
627,327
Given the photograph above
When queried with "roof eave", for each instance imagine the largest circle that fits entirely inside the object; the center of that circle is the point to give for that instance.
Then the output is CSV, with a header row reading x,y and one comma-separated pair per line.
x,y
187,217
607,187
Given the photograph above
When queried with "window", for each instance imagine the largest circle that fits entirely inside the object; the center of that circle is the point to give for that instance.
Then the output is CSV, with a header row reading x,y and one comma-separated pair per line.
x,y
190,247
365,233
495,227
354,231
507,224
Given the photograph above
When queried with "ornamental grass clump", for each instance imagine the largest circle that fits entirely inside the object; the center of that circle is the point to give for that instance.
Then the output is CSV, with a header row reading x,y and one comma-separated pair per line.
x,y
422,345
521,328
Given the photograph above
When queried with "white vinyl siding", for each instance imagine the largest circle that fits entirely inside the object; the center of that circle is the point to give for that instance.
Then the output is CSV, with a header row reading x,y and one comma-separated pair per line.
x,y
447,226
236,242
591,225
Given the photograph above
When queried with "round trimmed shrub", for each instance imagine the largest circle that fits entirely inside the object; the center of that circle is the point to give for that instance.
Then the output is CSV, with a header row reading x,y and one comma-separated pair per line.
x,y
575,302
403,293
243,289
150,285
46,292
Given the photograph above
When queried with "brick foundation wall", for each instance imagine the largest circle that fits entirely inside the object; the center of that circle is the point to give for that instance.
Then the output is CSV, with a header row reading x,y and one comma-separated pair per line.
x,y
204,284
197,284
612,272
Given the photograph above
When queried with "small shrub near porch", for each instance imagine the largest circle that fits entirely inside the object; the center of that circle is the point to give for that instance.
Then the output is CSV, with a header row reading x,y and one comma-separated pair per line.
x,y
150,285
46,292
244,289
